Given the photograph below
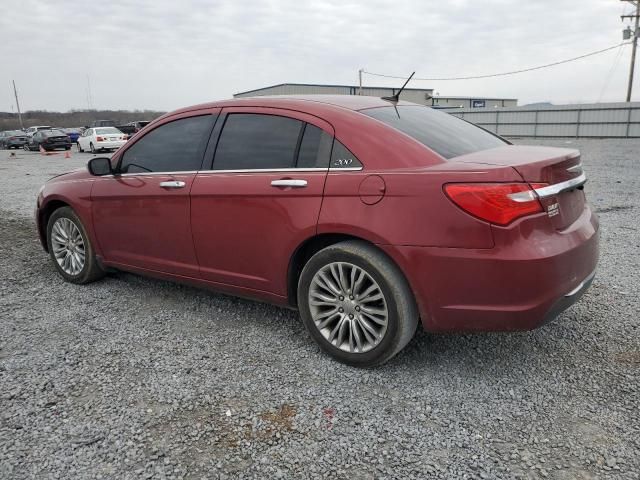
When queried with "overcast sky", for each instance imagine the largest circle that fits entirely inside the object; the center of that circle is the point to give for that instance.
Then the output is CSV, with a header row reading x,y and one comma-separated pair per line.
x,y
162,55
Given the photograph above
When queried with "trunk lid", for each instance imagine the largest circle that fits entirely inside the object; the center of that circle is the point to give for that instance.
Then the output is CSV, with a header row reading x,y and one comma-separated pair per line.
x,y
559,169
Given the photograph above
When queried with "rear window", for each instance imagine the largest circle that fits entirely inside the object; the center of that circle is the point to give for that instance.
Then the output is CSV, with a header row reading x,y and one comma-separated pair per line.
x,y
107,131
443,133
54,133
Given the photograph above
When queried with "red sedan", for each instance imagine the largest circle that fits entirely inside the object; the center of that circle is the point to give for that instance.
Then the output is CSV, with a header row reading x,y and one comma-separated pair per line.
x,y
366,215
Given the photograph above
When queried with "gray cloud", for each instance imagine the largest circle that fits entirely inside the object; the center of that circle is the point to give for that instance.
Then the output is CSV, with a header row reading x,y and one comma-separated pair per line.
x,y
164,55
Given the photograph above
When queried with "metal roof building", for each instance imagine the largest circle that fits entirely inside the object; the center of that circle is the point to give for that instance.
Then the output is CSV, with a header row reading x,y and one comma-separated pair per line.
x,y
423,96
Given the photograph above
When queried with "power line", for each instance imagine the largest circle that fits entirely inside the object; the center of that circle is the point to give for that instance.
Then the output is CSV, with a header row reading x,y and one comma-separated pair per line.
x,y
610,74
502,74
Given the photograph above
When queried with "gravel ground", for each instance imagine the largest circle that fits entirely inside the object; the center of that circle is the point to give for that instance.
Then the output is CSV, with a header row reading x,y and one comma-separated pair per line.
x,y
137,378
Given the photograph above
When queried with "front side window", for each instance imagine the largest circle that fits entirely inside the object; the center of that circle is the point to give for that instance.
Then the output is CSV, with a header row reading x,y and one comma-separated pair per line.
x,y
257,141
441,132
177,146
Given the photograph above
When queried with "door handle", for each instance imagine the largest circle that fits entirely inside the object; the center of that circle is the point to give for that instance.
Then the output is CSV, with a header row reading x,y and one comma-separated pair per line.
x,y
172,184
289,183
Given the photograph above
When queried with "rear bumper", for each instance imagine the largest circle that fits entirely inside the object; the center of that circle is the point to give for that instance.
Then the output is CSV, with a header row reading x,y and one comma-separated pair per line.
x,y
53,146
569,299
526,280
109,145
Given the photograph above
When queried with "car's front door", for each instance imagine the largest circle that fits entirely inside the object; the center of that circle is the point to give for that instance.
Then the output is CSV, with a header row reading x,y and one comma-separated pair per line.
x,y
261,197
141,214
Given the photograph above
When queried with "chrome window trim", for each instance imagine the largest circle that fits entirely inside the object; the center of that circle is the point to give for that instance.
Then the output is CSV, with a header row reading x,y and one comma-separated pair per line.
x,y
345,169
240,170
557,188
146,174
140,174
278,170
265,170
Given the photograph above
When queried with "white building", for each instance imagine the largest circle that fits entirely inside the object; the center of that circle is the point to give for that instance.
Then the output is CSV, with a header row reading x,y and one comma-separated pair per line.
x,y
423,96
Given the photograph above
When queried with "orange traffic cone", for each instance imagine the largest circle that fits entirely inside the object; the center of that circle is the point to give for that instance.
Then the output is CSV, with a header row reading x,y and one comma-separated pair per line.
x,y
67,154
42,150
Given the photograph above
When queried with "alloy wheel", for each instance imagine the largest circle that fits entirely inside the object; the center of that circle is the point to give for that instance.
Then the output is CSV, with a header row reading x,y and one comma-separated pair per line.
x,y
348,307
68,246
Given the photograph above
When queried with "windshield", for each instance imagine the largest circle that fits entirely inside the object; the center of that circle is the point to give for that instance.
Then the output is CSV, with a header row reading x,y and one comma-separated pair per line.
x,y
441,132
107,131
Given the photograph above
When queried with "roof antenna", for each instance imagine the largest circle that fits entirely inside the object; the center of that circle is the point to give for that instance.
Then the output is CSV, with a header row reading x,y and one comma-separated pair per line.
x,y
396,98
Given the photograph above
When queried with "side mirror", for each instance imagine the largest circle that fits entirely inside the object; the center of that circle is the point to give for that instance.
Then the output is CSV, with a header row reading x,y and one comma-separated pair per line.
x,y
100,166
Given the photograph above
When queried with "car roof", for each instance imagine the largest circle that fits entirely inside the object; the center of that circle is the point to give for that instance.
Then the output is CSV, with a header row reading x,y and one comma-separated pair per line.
x,y
302,102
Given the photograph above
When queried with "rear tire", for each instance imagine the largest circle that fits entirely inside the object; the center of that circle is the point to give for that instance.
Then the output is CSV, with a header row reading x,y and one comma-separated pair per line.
x,y
70,248
93,149
356,304
79,147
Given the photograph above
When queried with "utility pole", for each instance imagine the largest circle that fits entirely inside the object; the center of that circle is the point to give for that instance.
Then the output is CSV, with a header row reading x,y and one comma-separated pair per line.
x,y
360,77
89,96
636,33
15,92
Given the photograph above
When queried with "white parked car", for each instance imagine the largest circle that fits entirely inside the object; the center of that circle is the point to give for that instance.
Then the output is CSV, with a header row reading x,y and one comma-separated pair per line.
x,y
31,130
101,138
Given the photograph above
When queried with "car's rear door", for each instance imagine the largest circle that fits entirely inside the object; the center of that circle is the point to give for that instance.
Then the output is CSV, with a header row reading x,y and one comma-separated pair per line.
x,y
261,196
142,213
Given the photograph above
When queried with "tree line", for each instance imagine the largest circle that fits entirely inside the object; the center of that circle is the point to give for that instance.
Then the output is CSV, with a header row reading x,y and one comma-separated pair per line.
x,y
73,118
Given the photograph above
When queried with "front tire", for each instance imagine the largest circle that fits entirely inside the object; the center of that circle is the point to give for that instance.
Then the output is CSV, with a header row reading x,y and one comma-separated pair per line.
x,y
356,304
70,248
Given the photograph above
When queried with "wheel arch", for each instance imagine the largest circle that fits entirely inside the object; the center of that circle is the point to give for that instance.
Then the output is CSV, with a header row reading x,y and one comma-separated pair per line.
x,y
44,213
311,246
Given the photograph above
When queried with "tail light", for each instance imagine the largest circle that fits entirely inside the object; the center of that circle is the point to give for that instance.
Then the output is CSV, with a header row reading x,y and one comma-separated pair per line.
x,y
100,139
498,203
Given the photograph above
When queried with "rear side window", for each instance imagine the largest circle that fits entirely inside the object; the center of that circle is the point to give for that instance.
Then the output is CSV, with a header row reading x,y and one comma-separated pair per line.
x,y
341,157
315,148
257,141
443,133
177,146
